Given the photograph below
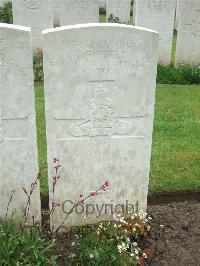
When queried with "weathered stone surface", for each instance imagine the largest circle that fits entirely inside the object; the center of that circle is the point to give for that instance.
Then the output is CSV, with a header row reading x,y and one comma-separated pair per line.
x,y
79,11
158,15
134,11
188,38
56,11
18,141
177,14
99,93
119,9
102,3
37,14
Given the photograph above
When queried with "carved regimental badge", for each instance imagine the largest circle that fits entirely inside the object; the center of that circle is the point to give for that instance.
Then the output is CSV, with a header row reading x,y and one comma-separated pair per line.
x,y
157,6
32,4
102,120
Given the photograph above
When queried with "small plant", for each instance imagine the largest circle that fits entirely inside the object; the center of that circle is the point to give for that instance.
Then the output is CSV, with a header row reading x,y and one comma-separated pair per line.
x,y
28,202
6,13
38,65
122,241
17,248
183,74
55,178
23,243
191,74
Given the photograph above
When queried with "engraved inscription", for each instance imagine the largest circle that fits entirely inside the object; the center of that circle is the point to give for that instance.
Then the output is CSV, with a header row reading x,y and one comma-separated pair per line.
x,y
80,10
79,6
100,58
102,119
157,6
195,27
32,4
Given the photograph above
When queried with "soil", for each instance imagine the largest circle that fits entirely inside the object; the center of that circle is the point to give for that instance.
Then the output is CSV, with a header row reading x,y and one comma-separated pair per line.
x,y
179,237
176,230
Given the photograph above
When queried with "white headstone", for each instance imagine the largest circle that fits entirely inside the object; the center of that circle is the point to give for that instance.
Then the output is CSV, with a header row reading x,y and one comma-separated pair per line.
x,y
119,9
18,141
158,15
102,3
134,13
37,14
79,11
56,11
99,91
177,14
188,38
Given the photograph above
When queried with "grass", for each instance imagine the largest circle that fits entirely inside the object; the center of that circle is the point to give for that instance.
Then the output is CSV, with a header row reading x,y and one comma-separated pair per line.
x,y
23,248
182,75
175,163
41,131
102,18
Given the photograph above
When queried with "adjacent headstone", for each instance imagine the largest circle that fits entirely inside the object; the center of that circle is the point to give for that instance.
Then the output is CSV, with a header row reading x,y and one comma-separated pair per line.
x,y
177,14
102,3
133,12
158,15
99,91
18,141
3,2
119,10
56,11
79,11
37,14
188,38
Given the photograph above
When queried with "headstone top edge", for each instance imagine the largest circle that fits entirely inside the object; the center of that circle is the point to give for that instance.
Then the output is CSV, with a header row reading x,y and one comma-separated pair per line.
x,y
14,27
97,25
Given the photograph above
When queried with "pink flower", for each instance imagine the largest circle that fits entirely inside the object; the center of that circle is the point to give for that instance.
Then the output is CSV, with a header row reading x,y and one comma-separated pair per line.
x,y
82,201
56,163
93,194
107,183
55,160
